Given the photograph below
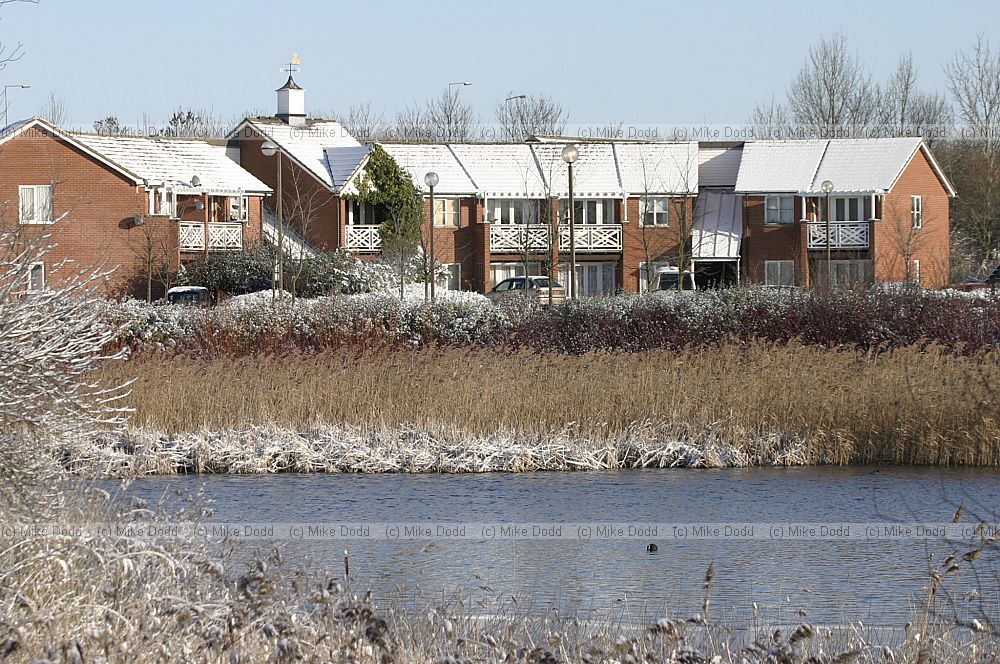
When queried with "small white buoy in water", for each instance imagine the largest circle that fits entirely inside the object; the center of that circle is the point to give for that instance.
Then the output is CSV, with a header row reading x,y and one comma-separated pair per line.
x,y
652,548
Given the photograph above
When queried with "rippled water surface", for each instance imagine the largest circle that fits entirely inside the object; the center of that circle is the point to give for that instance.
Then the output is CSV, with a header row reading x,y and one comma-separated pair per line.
x,y
831,580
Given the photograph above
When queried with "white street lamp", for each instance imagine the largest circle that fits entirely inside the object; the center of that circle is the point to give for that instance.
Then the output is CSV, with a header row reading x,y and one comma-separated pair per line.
x,y
269,149
431,180
6,98
827,188
570,154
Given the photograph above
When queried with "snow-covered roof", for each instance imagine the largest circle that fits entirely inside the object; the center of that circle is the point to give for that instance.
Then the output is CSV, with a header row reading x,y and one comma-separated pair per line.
x,y
505,170
661,168
306,144
418,159
866,165
175,162
595,172
154,161
779,166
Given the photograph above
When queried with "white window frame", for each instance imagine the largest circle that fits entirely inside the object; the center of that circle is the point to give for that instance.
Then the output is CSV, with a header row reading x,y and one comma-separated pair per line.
x,y
780,207
916,271
445,217
504,211
660,210
603,211
239,208
33,190
780,264
917,212
860,267
453,280
865,205
31,273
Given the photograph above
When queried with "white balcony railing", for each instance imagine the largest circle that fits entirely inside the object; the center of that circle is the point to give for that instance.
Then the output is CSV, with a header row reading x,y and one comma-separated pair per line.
x,y
515,238
192,236
362,238
593,237
843,235
221,236
225,237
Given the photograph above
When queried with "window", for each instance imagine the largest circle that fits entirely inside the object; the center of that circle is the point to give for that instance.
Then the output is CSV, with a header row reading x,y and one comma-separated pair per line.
x,y
779,273
450,276
847,208
363,214
916,269
446,212
591,278
513,211
654,211
851,272
167,202
239,208
588,211
779,210
36,277
36,204
917,211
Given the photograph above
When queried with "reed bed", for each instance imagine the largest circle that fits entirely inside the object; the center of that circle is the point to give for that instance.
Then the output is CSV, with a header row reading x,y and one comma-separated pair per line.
x,y
477,410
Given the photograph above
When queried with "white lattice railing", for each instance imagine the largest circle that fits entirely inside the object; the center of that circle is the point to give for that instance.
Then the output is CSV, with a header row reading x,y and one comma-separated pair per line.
x,y
362,238
593,237
225,237
843,235
192,236
515,238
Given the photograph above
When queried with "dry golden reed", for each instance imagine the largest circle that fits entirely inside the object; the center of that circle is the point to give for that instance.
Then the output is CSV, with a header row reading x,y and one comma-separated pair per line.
x,y
906,406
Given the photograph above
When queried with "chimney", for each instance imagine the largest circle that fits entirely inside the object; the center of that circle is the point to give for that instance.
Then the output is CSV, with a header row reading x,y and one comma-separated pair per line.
x,y
292,98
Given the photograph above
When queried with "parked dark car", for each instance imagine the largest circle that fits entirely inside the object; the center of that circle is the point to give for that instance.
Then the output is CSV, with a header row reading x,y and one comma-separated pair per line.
x,y
188,295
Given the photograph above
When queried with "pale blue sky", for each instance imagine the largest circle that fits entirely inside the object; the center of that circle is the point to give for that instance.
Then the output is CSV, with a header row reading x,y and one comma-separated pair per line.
x,y
637,62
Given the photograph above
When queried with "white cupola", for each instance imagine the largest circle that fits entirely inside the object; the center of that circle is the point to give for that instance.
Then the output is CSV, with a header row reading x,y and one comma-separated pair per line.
x,y
292,98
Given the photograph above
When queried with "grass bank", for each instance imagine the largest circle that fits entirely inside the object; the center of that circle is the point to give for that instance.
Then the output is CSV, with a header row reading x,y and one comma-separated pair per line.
x,y
470,410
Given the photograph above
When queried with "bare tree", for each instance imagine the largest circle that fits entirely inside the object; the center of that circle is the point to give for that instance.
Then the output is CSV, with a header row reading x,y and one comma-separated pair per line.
x,y
9,54
770,121
55,110
152,243
363,122
974,82
521,117
833,91
904,110
905,240
442,119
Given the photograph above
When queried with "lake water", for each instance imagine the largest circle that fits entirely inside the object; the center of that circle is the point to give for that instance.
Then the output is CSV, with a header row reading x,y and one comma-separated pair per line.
x,y
831,580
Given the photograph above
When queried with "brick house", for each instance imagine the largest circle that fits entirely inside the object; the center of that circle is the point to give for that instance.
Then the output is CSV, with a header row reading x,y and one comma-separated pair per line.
x,y
122,203
746,211
888,217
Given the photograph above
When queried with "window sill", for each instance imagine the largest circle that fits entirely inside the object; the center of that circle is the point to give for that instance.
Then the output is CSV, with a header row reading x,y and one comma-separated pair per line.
x,y
22,222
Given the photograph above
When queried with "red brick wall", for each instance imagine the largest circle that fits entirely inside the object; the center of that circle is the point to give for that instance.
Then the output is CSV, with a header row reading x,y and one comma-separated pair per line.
x,y
896,243
769,242
656,242
305,200
95,207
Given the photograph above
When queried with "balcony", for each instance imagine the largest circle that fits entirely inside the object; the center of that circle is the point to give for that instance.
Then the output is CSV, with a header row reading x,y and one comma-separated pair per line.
x,y
221,236
843,235
516,238
362,238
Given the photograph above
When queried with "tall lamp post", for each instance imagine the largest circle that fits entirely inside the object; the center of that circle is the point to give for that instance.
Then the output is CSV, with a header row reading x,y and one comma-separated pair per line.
x,y
570,155
827,188
269,149
431,180
6,99
450,110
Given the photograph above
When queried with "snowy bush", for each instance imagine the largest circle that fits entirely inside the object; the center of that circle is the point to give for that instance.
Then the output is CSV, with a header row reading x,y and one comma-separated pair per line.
x,y
262,322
